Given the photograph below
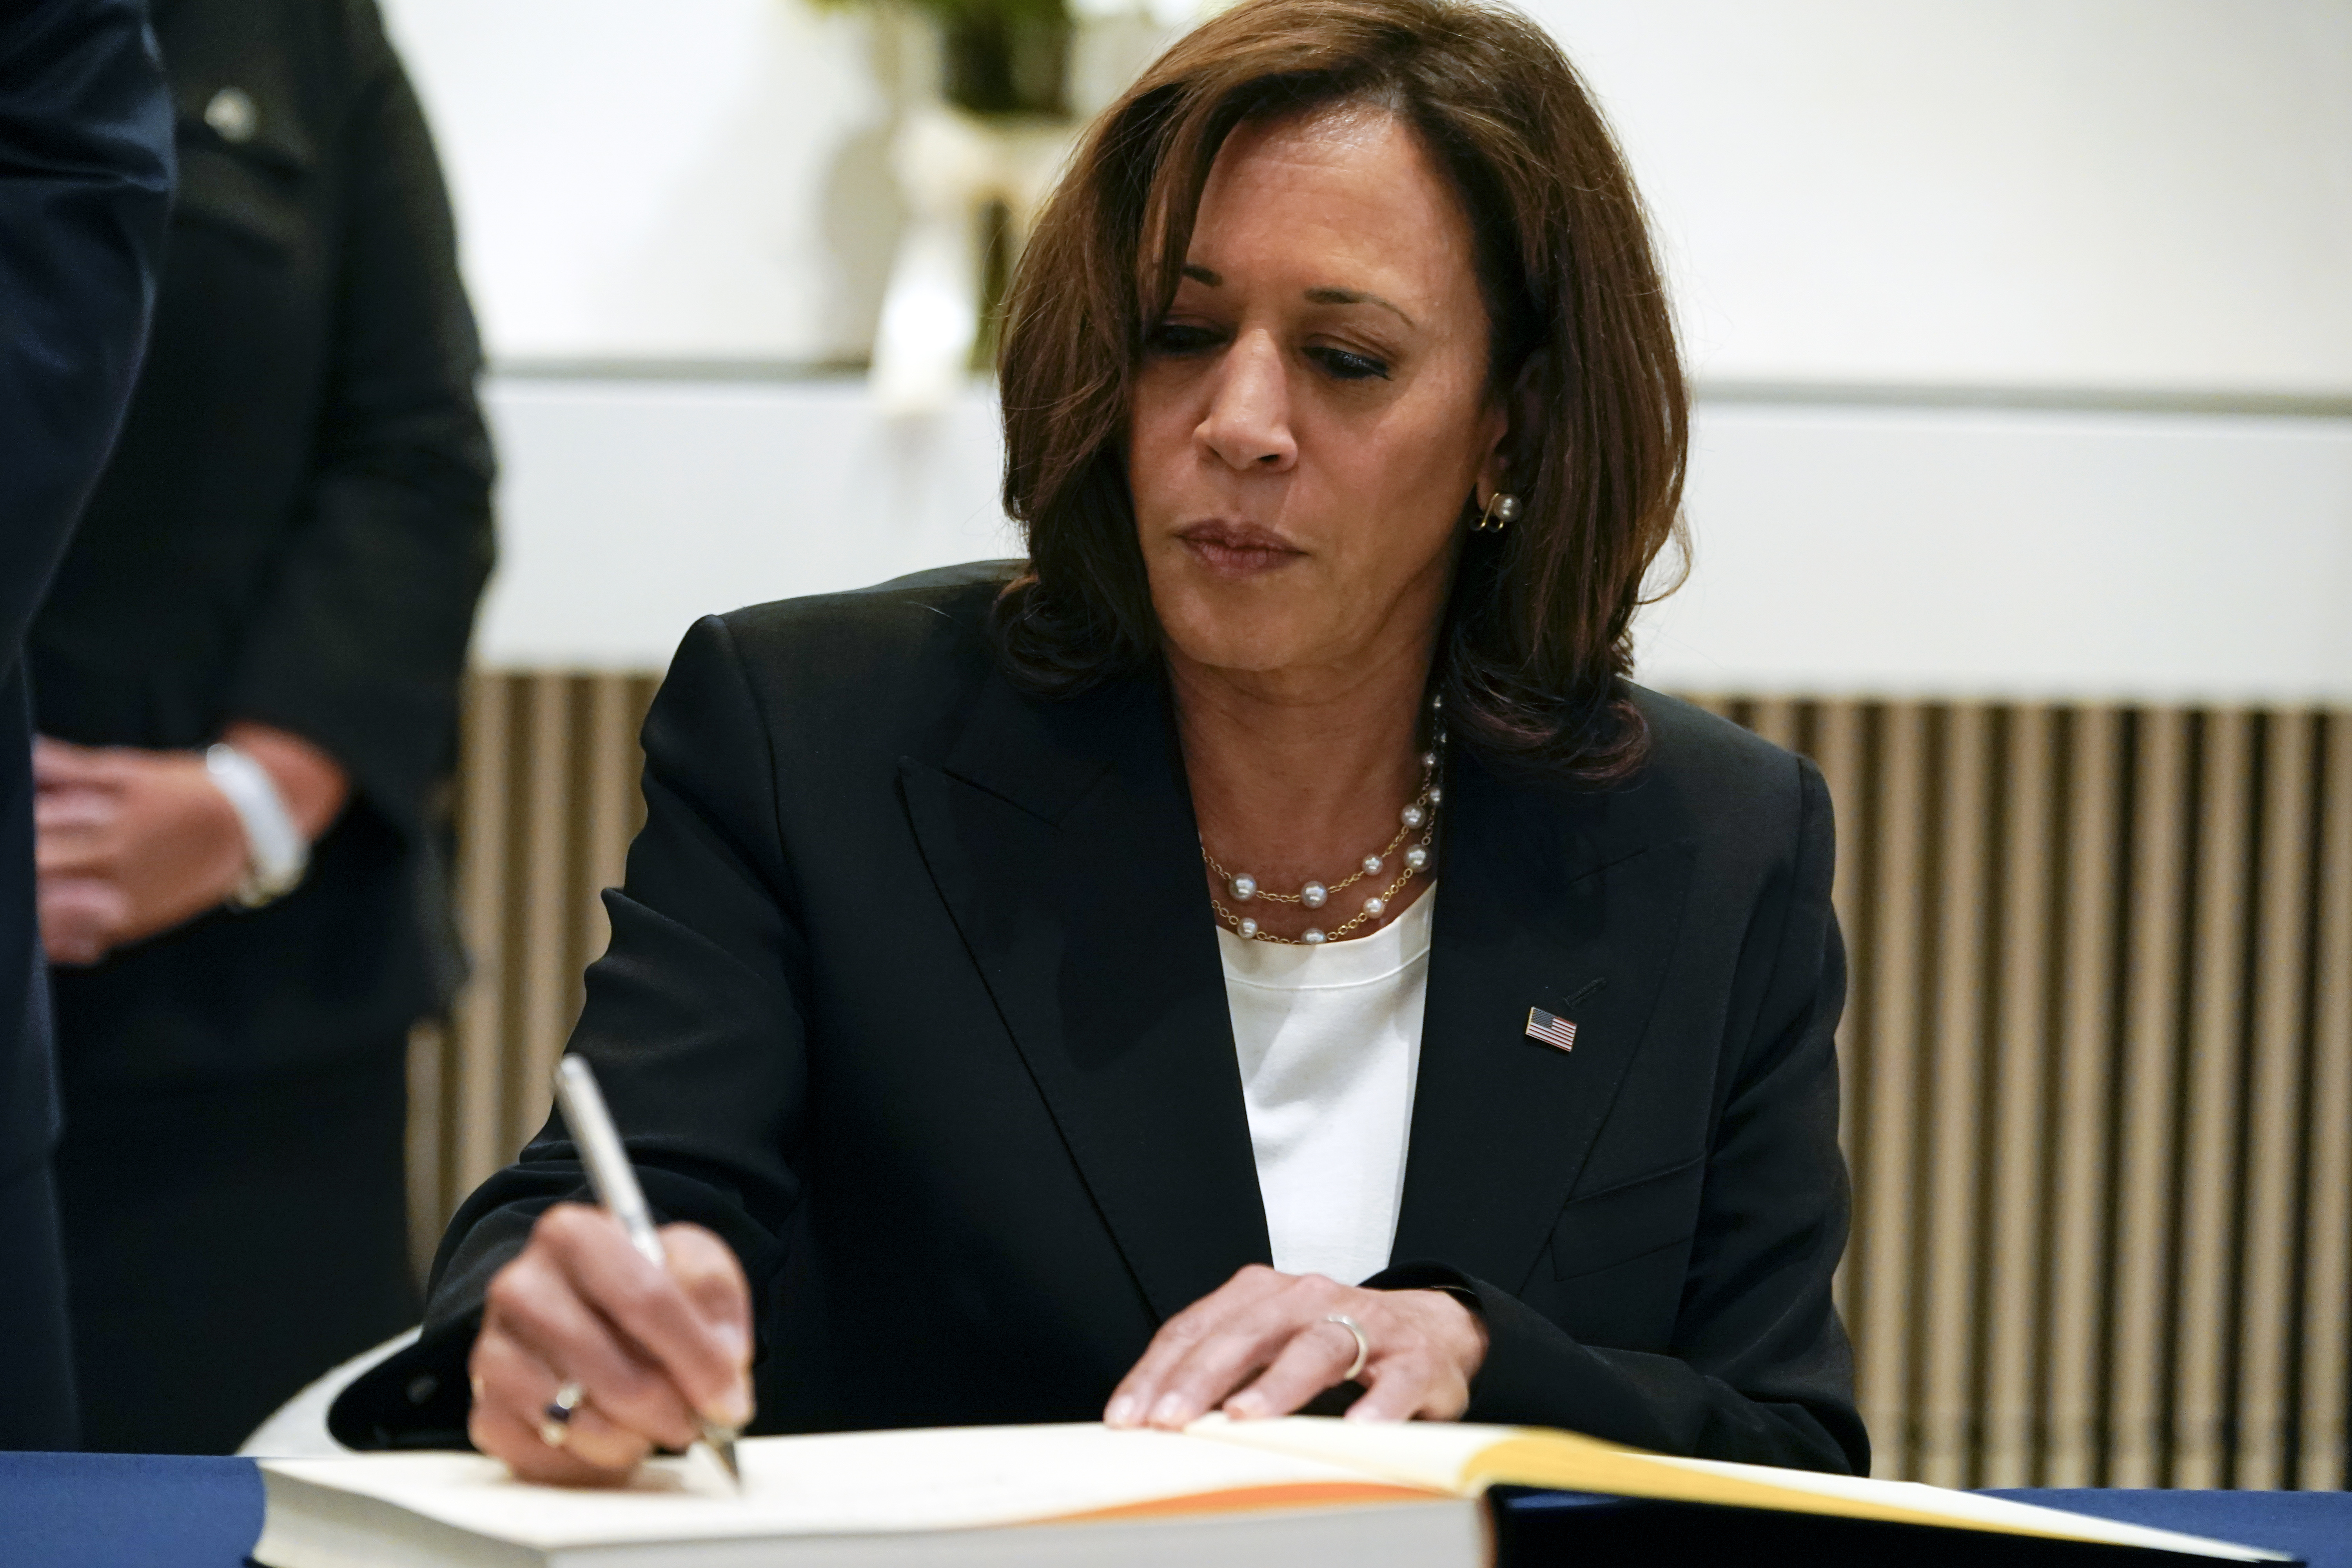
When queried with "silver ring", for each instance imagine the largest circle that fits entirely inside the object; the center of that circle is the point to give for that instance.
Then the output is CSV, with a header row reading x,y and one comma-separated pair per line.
x,y
1363,1345
555,1421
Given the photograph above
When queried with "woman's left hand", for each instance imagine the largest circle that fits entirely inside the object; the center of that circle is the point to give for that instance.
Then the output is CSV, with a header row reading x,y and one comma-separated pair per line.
x,y
1264,1345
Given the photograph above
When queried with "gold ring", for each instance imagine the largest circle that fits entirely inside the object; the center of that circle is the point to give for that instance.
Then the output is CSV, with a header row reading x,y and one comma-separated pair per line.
x,y
1363,1345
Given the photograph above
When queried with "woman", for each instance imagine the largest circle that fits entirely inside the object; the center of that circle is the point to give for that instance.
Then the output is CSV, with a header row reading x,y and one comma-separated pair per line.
x,y
246,679
1003,975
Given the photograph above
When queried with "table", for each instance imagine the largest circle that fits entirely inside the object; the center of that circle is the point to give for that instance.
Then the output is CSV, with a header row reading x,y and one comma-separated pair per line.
x,y
127,1510
136,1510
1568,1528
2313,1526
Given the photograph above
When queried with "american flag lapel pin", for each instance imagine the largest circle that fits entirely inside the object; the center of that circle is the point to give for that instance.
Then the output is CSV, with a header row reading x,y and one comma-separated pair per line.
x,y
1551,1029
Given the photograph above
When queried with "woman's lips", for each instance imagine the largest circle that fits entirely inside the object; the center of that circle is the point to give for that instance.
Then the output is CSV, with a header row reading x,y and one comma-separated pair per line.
x,y
1237,549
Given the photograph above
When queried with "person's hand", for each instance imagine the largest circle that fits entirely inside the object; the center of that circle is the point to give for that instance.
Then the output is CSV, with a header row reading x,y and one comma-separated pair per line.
x,y
649,1348
1262,1345
127,843
130,842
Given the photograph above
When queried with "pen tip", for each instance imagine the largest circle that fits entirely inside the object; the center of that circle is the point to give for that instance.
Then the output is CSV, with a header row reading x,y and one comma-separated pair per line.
x,y
721,1444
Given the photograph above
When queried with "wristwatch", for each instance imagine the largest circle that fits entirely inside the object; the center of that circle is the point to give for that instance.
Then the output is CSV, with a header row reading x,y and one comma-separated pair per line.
x,y
276,853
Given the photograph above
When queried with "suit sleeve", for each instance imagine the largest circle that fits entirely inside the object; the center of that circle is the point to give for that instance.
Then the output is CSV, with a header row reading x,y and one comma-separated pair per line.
x,y
694,1024
360,639
85,180
85,184
1760,1370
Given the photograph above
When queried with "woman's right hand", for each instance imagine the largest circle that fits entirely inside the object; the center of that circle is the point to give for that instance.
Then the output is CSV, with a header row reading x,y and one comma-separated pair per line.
x,y
649,1348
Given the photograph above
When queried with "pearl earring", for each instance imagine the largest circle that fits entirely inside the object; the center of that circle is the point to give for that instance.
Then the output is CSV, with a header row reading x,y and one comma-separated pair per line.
x,y
1501,510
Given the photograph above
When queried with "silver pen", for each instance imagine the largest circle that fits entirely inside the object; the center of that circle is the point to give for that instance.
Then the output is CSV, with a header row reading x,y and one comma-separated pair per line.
x,y
615,1184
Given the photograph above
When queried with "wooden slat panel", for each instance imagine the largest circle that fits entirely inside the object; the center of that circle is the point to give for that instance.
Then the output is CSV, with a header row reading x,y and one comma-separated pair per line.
x,y
479,1111
2214,1077
1838,750
2017,1259
428,1047
2275,1143
612,789
1886,1309
1775,719
2144,1282
547,979
2076,1387
2326,1370
2103,1172
1955,1154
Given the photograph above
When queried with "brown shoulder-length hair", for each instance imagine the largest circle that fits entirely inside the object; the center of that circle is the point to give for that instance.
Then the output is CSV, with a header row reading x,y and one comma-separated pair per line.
x,y
1536,633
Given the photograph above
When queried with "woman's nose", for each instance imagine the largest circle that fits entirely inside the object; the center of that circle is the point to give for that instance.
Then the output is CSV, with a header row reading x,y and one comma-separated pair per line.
x,y
1248,421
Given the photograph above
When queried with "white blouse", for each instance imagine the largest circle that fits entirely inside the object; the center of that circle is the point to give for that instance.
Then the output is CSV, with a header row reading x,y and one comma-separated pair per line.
x,y
1329,1042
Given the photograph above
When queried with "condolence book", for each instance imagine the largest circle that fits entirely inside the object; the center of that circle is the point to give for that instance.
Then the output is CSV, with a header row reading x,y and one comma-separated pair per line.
x,y
1280,1494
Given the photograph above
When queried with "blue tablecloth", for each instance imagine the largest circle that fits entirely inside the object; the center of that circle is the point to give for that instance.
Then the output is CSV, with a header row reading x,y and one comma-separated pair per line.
x,y
2313,1526
127,1510
115,1510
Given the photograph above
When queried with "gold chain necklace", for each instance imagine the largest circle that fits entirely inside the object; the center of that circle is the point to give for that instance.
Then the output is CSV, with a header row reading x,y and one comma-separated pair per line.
x,y
1419,816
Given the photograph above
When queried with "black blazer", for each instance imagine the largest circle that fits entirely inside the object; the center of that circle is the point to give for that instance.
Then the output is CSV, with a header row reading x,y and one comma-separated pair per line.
x,y
914,996
294,529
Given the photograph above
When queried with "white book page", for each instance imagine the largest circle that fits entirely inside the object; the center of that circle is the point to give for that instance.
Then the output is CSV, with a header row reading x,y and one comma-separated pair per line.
x,y
850,1483
1455,1456
1440,1455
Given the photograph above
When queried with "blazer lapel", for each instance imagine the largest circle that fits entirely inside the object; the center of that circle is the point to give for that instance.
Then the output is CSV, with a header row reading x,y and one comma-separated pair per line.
x,y
1061,836
1538,905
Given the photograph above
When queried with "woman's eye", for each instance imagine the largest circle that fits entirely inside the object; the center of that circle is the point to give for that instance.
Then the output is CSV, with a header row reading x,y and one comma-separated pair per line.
x,y
1347,366
1179,338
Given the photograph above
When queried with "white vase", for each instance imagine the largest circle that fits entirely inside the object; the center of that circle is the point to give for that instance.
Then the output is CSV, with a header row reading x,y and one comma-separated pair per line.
x,y
950,166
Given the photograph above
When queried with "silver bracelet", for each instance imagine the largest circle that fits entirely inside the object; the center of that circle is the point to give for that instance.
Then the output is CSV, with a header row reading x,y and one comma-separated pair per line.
x,y
276,853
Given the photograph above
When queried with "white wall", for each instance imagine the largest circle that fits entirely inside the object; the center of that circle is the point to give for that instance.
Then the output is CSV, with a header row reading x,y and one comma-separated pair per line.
x,y
628,508
2013,552
704,180
2160,556
2100,192
2045,196
691,179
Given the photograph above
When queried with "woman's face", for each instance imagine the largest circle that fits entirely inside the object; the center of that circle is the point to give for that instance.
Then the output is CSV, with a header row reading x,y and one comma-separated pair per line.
x,y
1311,415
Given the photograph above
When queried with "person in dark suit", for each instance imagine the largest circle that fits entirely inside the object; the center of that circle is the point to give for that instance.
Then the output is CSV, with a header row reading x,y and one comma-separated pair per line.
x,y
247,679
1260,945
85,178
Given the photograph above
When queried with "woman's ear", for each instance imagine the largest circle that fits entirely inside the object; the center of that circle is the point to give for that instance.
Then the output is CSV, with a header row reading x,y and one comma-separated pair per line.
x,y
1514,452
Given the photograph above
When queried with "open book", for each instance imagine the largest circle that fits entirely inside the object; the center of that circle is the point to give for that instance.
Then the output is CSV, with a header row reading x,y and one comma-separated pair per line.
x,y
1280,1493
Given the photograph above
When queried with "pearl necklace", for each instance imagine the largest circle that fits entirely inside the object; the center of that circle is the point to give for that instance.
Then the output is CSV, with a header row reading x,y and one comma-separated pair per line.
x,y
1419,816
